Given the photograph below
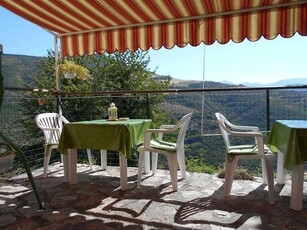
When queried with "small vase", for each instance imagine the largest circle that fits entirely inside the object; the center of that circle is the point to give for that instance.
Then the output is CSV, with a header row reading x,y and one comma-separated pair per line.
x,y
69,75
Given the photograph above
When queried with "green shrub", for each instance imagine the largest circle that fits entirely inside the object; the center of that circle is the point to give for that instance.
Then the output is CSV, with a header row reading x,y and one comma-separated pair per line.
x,y
196,165
240,174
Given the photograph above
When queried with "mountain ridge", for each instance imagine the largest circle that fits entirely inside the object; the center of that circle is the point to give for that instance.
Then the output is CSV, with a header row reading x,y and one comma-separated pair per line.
x,y
18,69
284,82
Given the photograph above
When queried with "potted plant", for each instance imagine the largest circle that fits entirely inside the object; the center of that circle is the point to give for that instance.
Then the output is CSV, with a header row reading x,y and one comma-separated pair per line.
x,y
6,157
71,70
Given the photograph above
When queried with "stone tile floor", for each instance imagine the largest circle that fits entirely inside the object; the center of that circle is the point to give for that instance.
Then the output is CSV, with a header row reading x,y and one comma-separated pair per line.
x,y
95,202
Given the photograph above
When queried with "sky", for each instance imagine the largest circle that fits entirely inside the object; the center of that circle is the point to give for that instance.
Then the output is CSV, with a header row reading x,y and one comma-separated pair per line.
x,y
263,61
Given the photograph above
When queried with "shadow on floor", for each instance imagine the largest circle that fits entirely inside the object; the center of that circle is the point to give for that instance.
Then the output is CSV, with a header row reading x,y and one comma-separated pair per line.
x,y
97,202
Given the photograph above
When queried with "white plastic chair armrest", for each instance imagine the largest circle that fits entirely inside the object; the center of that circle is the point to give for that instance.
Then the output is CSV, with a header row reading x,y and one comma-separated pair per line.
x,y
257,135
51,129
64,120
167,126
243,127
157,130
246,134
148,135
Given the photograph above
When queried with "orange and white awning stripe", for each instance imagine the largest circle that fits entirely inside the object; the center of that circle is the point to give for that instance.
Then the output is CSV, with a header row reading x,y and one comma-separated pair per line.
x,y
86,27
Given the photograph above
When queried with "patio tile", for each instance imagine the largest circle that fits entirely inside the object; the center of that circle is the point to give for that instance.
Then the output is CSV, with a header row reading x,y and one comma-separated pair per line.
x,y
97,202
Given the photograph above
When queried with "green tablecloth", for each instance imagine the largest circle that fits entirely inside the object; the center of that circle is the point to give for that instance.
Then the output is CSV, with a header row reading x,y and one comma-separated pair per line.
x,y
103,134
290,138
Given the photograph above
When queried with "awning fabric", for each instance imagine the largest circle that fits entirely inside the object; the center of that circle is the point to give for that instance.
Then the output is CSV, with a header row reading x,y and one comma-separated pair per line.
x,y
90,26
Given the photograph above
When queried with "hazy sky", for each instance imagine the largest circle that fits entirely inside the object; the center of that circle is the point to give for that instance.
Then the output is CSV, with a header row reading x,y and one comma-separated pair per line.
x,y
263,61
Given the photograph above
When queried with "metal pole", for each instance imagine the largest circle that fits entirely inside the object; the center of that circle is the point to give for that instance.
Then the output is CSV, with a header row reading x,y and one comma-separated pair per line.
x,y
57,75
268,110
56,54
1,77
1,52
17,149
147,107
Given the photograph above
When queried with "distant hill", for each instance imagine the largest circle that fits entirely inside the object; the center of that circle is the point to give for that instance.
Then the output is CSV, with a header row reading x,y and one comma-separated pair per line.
x,y
192,84
287,82
18,70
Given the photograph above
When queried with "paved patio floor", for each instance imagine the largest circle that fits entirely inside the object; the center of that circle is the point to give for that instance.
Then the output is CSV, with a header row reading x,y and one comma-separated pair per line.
x,y
95,202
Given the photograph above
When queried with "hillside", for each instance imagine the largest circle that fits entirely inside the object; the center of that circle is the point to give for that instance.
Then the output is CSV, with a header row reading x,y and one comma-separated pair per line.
x,y
192,84
287,82
18,70
248,108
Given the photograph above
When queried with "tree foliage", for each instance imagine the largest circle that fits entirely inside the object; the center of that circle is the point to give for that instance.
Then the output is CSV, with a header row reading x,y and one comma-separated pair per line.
x,y
109,72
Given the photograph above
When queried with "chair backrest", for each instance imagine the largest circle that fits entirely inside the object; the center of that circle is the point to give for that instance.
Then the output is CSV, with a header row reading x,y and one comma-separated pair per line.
x,y
51,124
182,125
223,123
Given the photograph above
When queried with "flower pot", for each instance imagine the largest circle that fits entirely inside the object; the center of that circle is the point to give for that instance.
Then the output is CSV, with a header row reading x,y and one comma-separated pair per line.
x,y
41,101
6,162
69,75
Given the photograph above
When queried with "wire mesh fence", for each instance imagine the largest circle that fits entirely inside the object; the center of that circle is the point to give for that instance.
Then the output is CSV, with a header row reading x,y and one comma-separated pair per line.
x,y
247,107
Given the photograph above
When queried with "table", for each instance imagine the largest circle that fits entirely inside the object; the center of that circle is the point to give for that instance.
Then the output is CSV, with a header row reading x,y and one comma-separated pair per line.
x,y
288,138
118,136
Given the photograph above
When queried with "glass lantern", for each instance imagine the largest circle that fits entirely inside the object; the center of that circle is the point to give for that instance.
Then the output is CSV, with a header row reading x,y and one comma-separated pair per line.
x,y
112,112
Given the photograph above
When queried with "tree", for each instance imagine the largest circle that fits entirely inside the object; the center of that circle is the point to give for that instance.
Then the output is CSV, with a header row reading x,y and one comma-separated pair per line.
x,y
109,72
125,72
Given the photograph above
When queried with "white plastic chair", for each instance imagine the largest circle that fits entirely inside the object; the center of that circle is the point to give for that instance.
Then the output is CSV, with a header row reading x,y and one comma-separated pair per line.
x,y
256,150
51,124
173,151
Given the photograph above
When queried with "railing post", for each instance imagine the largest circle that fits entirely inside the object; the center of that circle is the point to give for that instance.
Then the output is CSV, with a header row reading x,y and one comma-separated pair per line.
x,y
1,77
147,106
1,52
268,117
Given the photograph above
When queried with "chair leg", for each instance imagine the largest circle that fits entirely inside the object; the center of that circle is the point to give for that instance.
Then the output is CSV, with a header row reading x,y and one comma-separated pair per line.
x,y
181,162
146,162
172,165
264,171
62,160
47,154
140,165
103,157
154,162
90,160
268,161
230,169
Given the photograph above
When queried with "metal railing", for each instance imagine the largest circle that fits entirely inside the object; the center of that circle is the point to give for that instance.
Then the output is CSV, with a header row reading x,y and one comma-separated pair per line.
x,y
257,106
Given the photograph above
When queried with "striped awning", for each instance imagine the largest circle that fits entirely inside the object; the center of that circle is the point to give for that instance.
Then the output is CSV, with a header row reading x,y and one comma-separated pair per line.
x,y
89,26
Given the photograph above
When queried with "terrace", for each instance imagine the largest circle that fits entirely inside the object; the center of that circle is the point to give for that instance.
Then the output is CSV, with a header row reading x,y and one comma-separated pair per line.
x,y
206,22
199,204
96,203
